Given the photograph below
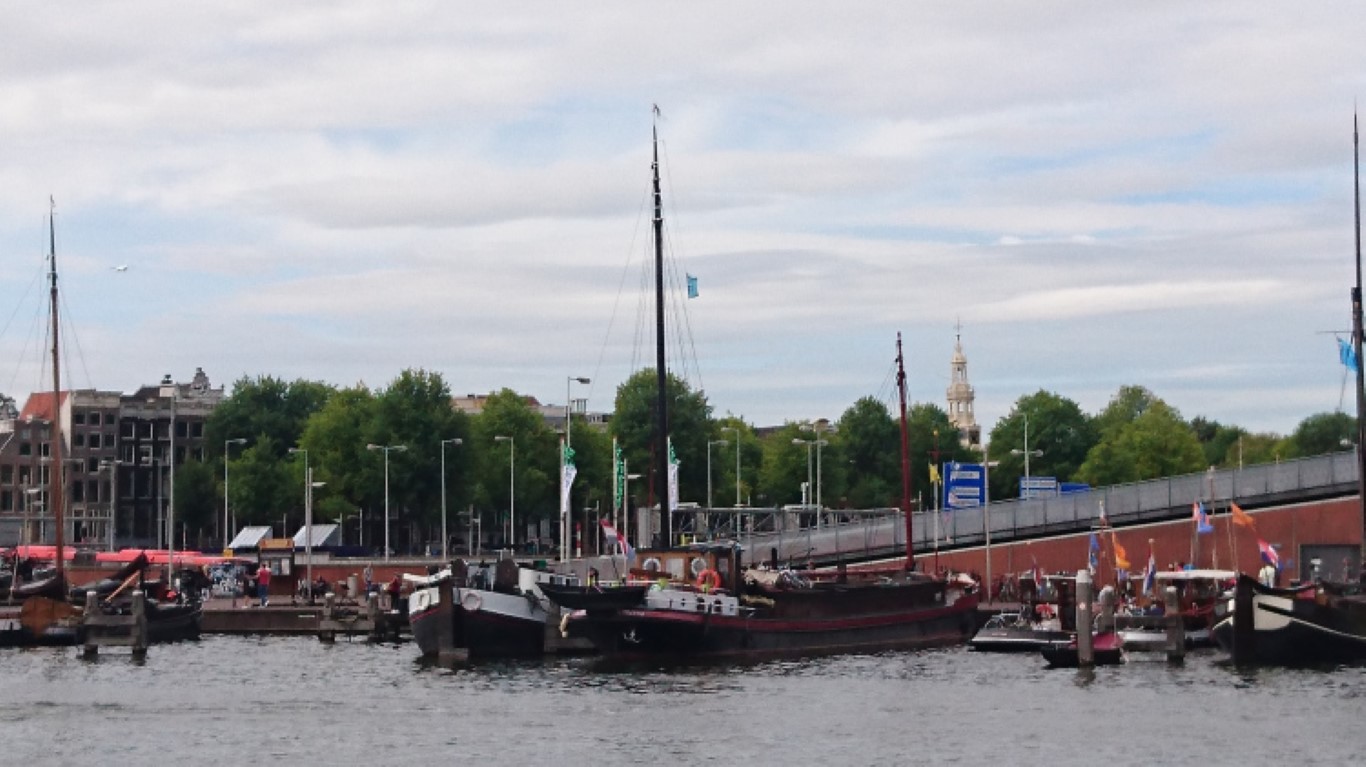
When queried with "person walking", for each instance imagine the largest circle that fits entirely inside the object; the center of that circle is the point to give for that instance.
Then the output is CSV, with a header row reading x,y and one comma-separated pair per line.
x,y
263,583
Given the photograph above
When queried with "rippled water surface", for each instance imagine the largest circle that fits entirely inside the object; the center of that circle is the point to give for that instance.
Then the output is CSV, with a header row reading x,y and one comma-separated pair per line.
x,y
238,698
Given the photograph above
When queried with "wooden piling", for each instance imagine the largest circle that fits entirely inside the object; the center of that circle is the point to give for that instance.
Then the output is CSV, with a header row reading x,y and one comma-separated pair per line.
x,y
1244,622
326,634
1086,656
1176,626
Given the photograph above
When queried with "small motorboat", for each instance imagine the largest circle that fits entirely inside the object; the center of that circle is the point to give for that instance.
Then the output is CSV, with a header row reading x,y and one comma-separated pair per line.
x,y
1107,650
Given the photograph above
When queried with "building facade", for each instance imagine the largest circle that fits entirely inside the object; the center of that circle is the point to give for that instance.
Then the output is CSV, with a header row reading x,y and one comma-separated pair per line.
x,y
119,454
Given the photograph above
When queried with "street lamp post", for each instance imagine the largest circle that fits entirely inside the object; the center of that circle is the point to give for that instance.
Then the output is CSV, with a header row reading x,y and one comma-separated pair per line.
x,y
1025,488
112,466
810,486
568,406
725,429
986,511
386,449
308,529
227,528
445,537
710,501
512,489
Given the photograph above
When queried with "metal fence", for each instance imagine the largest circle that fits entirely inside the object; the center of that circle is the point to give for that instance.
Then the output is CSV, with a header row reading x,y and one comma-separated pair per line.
x,y
881,532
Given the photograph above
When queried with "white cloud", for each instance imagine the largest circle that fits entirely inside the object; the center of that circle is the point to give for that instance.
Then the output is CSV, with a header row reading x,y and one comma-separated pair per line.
x,y
1103,196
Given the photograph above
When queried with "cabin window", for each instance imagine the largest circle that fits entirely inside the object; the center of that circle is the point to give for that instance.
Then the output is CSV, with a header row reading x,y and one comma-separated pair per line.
x,y
697,565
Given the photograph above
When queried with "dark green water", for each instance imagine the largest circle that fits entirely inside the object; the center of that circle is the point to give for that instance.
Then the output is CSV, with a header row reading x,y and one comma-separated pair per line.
x,y
231,700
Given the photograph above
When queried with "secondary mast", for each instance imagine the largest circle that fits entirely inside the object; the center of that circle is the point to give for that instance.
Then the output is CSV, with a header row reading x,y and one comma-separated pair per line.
x,y
661,374
1356,348
55,484
905,454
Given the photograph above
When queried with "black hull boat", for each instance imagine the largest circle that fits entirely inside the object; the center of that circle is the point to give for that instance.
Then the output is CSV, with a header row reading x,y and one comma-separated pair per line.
x,y
680,623
595,598
40,622
508,618
1311,626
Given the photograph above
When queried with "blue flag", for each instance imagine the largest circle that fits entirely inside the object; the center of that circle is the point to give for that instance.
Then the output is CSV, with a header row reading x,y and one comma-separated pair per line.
x,y
1202,523
692,286
1347,354
1092,560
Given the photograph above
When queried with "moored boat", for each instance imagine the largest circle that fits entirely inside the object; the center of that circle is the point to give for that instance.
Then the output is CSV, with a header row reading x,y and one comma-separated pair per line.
x,y
1317,624
489,612
1106,646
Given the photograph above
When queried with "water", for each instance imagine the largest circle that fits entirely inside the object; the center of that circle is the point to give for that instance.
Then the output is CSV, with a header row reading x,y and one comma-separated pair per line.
x,y
265,698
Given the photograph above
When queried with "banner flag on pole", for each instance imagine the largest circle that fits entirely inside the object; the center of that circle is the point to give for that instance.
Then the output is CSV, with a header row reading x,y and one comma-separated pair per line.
x,y
692,286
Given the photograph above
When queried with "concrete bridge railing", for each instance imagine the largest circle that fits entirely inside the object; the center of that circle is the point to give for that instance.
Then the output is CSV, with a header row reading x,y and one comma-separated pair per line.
x,y
882,532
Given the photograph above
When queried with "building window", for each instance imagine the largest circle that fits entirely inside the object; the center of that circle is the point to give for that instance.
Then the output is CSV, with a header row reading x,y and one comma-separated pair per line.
x,y
95,441
6,475
197,429
78,418
94,419
78,440
77,492
25,448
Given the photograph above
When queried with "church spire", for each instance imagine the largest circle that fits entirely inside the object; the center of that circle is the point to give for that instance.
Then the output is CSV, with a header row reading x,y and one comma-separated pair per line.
x,y
961,395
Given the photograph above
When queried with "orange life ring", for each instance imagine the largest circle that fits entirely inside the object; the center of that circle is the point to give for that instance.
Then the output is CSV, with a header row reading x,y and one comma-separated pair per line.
x,y
708,580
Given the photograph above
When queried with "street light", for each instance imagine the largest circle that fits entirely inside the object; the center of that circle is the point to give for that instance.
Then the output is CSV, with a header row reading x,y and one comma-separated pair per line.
x,y
806,496
445,538
226,527
308,529
725,429
568,409
112,466
1025,488
987,463
155,464
386,449
512,489
709,444
710,501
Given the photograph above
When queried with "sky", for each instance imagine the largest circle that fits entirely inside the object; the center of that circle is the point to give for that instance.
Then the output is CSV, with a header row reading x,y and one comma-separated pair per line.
x,y
1093,195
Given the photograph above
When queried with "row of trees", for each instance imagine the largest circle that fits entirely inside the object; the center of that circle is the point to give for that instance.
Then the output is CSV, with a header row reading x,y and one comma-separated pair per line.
x,y
507,454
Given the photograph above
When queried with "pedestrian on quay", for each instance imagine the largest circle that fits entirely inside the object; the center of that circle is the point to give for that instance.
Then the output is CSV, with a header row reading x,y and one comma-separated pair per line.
x,y
394,589
369,575
263,583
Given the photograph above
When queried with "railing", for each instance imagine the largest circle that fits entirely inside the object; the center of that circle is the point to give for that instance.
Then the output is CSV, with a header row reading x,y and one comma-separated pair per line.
x,y
881,532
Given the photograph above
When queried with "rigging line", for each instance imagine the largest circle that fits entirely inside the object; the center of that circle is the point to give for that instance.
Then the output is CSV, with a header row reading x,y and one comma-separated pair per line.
x,y
71,338
621,289
39,315
683,326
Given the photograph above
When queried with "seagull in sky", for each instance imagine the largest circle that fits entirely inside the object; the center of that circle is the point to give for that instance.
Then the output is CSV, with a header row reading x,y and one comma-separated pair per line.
x,y
120,268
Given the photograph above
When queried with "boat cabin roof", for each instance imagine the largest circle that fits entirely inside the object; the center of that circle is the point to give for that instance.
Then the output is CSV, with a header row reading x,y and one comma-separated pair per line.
x,y
1195,575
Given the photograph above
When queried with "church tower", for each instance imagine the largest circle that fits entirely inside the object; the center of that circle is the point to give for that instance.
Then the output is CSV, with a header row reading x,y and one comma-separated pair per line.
x,y
961,395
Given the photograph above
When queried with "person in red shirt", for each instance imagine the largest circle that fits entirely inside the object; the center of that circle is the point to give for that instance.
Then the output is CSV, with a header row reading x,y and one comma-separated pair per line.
x,y
263,584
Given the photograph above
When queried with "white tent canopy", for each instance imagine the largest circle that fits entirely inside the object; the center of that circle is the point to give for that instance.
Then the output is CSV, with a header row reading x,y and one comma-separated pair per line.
x,y
250,537
323,536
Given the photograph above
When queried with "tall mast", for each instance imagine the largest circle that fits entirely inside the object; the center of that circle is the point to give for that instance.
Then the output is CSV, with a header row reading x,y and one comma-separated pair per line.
x,y
661,374
905,453
55,484
1356,347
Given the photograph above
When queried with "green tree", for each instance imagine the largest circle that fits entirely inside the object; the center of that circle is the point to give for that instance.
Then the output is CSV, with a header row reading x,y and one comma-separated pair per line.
x,y
690,426
196,498
1059,432
929,431
1158,443
1127,405
1322,433
1216,439
1258,448
507,414
783,468
335,438
868,442
262,486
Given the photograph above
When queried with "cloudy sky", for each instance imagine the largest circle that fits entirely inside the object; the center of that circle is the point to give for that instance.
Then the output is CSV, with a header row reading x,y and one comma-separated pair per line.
x,y
1102,194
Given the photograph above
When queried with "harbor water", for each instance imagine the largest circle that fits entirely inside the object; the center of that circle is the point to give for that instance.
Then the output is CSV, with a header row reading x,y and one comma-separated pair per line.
x,y
232,700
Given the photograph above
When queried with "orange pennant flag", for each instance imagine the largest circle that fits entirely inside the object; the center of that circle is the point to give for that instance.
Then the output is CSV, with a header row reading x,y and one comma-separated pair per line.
x,y
1121,556
1242,518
